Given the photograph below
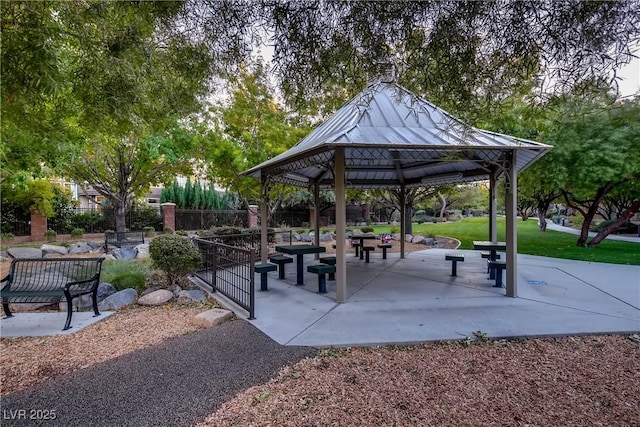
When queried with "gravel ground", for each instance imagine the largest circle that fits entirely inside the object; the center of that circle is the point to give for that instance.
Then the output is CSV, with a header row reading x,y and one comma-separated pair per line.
x,y
176,383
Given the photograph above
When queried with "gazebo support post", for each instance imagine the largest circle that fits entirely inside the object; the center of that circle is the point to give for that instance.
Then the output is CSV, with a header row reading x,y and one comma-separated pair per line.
x,y
403,225
512,234
316,216
264,248
493,208
341,222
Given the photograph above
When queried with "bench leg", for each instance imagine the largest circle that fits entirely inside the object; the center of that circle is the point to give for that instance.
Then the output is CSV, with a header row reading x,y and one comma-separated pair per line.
x,y
454,268
281,272
67,324
263,281
357,251
498,272
384,253
7,312
332,276
94,301
322,284
367,257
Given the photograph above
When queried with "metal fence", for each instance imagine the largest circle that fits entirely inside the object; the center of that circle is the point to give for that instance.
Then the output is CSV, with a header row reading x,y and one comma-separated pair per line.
x,y
16,222
252,241
230,271
284,218
98,221
188,219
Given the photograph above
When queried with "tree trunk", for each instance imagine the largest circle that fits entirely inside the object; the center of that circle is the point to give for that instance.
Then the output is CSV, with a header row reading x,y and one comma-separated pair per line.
x,y
120,212
444,206
626,216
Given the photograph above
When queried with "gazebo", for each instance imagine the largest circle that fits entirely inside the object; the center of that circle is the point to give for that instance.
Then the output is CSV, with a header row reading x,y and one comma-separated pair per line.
x,y
388,137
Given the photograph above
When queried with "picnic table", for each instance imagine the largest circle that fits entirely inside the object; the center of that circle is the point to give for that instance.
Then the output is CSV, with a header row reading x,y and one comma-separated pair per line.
x,y
299,251
492,247
362,238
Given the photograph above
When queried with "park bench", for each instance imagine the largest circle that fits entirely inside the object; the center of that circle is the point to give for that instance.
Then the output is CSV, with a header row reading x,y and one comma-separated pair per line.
x,y
47,280
123,239
329,260
454,257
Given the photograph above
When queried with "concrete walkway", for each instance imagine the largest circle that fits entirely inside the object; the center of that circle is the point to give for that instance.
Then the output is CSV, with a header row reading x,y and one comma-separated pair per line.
x,y
571,230
415,300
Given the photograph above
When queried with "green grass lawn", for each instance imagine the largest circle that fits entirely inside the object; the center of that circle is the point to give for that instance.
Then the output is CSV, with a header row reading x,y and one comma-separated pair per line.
x,y
531,241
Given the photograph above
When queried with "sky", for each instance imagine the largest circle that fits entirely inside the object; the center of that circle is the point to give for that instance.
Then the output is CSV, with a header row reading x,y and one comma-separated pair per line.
x,y
630,74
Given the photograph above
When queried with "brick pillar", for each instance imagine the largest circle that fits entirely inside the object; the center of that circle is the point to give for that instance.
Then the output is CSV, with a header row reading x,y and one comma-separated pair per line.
x,y
252,216
169,215
38,227
366,212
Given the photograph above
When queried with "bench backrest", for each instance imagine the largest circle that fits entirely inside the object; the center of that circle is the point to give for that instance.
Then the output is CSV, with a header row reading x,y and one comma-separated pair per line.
x,y
42,274
124,238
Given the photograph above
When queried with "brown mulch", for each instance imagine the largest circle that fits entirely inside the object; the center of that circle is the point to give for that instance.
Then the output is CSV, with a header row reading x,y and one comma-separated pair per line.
x,y
570,381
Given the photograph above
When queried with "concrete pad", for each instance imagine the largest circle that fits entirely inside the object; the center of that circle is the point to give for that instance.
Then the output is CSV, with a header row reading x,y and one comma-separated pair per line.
x,y
412,300
45,324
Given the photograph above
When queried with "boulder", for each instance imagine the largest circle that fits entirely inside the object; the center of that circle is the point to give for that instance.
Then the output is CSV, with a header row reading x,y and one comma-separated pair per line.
x,y
29,306
408,237
212,317
118,300
79,248
53,250
142,250
296,237
304,237
25,252
326,237
357,232
158,297
191,296
175,289
109,257
95,246
124,254
417,239
104,290
429,241
149,290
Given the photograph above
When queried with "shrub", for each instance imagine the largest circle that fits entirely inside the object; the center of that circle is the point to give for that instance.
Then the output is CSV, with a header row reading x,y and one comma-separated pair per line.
x,y
366,229
50,235
7,237
394,230
167,230
125,274
175,255
77,232
149,231
182,233
304,224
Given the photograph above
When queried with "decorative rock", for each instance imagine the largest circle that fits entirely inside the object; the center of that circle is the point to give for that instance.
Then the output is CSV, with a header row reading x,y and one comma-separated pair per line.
x,y
296,237
429,241
158,297
417,239
25,252
191,296
53,250
408,237
149,290
304,237
357,232
29,306
104,290
94,246
79,248
124,254
142,250
326,237
118,300
212,317
109,257
175,289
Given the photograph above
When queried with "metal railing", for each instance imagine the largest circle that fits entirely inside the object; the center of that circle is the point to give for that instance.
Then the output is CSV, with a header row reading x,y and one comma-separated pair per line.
x,y
251,241
230,271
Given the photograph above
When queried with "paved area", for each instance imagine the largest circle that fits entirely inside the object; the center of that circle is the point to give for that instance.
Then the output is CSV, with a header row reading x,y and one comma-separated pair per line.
x,y
416,300
176,383
43,324
571,230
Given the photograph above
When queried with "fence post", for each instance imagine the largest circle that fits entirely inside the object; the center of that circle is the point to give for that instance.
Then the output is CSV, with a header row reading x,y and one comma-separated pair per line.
x,y
38,226
252,216
169,215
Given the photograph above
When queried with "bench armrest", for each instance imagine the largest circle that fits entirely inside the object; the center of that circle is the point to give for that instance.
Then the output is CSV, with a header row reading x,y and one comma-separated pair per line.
x,y
80,282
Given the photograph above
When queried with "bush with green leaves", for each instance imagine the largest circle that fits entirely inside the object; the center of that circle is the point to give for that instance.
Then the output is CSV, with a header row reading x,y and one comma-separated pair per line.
x,y
366,229
50,235
7,237
176,255
77,232
149,231
126,274
167,230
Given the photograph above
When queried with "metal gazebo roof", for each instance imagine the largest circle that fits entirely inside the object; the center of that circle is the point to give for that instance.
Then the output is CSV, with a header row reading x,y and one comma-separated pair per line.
x,y
393,137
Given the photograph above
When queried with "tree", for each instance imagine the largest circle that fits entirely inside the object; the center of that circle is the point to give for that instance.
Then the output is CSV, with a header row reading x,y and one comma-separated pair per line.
x,y
251,129
456,53
598,152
